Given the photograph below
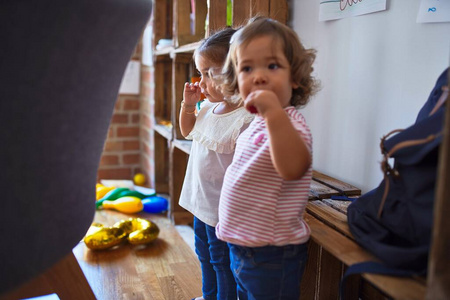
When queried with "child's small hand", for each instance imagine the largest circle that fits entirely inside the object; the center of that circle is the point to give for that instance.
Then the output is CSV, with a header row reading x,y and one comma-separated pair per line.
x,y
192,93
261,101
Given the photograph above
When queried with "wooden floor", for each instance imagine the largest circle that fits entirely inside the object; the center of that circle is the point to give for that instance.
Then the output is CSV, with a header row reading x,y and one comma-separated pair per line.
x,y
165,269
187,234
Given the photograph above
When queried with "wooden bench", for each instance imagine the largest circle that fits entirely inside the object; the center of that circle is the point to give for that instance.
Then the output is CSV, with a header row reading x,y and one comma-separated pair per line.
x,y
165,269
332,248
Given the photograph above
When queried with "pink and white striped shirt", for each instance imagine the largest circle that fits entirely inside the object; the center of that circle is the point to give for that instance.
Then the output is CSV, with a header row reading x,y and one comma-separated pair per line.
x,y
257,207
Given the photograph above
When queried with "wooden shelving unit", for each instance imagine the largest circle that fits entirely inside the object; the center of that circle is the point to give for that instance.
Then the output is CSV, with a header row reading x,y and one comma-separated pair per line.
x,y
183,22
173,66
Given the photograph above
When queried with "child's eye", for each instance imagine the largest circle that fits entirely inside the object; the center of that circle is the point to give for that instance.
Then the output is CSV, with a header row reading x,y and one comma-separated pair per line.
x,y
273,66
246,69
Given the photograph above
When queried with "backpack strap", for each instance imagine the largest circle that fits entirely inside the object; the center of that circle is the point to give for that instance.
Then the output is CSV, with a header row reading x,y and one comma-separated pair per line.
x,y
442,99
386,167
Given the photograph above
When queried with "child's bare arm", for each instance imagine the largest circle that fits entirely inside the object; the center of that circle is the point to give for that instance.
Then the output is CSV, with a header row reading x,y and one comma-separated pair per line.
x,y
187,119
288,150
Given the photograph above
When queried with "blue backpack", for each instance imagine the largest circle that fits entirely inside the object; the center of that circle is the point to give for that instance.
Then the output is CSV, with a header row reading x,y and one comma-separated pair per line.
x,y
394,221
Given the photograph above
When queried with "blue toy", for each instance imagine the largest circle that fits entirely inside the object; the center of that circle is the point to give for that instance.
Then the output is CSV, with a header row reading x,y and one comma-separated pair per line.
x,y
155,204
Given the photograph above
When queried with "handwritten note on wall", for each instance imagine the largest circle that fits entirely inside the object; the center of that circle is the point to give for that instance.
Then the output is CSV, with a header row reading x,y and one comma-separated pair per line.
x,y
338,9
432,11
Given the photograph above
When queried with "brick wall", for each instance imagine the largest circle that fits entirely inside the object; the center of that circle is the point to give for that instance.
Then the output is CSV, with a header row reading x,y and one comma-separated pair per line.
x,y
146,134
128,149
121,153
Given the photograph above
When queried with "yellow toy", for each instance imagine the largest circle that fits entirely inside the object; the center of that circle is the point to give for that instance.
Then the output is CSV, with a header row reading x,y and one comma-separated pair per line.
x,y
99,237
129,204
102,190
140,231
139,179
136,230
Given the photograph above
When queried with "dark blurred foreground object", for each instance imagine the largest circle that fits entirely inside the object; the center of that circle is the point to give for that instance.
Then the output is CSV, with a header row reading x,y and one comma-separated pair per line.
x,y
61,64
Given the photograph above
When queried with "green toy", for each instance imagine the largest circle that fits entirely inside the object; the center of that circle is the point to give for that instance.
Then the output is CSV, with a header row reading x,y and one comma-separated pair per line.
x,y
119,193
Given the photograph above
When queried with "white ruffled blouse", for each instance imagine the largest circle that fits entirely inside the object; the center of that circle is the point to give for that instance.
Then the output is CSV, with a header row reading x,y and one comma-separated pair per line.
x,y
213,141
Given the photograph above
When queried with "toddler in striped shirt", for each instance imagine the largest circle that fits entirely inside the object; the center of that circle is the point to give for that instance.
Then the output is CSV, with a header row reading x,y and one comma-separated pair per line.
x,y
266,187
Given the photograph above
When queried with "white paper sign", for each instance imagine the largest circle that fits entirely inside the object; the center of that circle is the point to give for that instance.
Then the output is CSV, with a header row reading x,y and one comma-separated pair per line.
x,y
338,9
131,78
431,11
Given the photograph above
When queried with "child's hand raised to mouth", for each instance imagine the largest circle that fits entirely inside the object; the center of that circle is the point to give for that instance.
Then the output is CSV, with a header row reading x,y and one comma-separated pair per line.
x,y
260,101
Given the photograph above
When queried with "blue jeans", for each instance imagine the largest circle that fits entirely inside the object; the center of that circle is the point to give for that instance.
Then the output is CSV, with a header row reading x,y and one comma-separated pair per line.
x,y
214,255
269,272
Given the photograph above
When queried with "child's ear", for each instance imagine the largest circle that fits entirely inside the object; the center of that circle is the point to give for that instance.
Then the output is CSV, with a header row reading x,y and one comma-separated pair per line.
x,y
294,84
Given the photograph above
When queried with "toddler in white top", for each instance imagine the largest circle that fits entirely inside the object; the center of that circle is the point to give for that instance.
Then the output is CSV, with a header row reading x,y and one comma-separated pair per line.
x,y
214,131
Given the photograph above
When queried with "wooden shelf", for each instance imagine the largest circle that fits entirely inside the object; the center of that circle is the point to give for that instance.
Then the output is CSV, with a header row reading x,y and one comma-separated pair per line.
x,y
183,145
170,51
164,51
189,48
164,130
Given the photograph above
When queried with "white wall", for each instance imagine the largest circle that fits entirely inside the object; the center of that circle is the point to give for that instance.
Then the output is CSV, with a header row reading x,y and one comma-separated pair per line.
x,y
376,72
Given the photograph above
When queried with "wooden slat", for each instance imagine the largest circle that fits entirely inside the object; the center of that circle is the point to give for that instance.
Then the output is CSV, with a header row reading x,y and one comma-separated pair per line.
x,y
161,163
182,218
351,290
340,206
162,20
183,34
336,184
349,252
178,164
329,216
259,7
163,82
368,291
323,269
337,244
278,10
182,23
182,66
310,277
244,10
330,270
217,15
318,190
201,11
241,12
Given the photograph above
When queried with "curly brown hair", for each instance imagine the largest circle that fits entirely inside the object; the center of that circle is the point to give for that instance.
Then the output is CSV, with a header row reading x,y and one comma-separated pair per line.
x,y
300,59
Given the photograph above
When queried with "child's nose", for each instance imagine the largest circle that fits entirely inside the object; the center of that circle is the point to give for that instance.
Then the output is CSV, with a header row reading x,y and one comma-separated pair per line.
x,y
259,77
202,83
